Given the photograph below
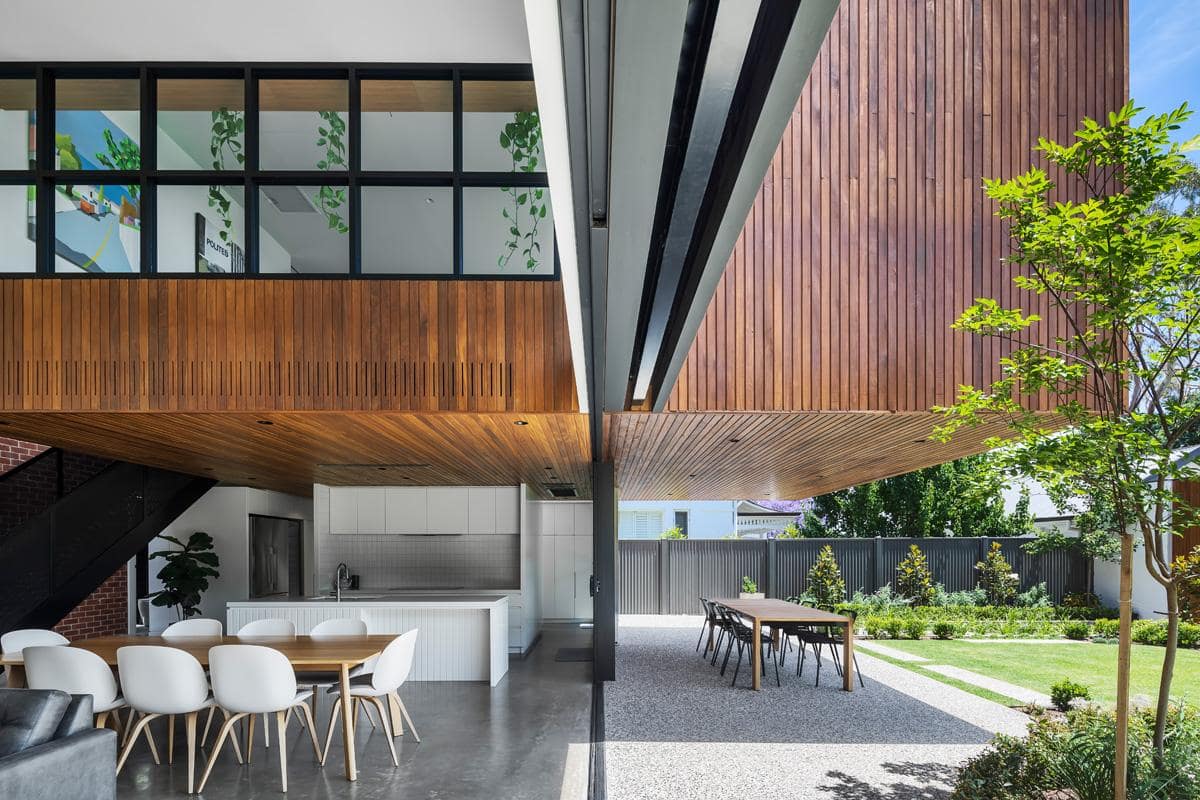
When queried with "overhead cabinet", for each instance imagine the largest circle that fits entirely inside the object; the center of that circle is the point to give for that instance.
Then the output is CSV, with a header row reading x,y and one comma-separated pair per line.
x,y
421,510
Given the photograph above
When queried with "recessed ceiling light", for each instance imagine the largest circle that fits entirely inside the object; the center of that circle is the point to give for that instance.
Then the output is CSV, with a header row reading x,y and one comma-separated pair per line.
x,y
381,469
692,475
265,422
520,422
429,200
734,440
549,468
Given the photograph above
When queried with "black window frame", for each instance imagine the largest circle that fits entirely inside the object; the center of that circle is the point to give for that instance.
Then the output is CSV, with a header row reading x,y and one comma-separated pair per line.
x,y
44,177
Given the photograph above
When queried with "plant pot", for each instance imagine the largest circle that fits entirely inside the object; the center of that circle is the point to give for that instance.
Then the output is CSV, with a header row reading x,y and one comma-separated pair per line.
x,y
751,596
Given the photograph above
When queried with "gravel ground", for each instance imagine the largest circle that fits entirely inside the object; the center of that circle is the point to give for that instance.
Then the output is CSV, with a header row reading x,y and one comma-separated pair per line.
x,y
676,729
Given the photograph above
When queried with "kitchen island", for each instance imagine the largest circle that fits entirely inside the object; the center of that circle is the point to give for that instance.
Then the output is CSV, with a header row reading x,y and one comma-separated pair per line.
x,y
464,637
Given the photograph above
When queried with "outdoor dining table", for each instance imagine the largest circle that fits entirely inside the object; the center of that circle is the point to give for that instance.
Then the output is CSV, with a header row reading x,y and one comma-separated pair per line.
x,y
766,612
327,654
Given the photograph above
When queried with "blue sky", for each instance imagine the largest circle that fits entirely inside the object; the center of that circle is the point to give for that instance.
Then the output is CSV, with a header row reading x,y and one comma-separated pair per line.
x,y
1164,57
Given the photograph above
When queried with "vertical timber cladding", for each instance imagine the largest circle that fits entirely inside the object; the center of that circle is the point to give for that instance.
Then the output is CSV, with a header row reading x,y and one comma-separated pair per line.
x,y
111,344
871,232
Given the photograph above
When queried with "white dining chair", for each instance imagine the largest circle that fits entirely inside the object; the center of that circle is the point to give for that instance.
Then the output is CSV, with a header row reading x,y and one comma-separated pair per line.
x,y
331,629
391,671
161,681
268,627
76,671
248,680
16,641
194,627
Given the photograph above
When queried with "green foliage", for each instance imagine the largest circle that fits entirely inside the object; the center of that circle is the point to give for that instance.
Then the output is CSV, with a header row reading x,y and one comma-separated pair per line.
x,y
522,138
959,498
1148,631
186,573
944,629
331,135
673,533
825,583
749,586
973,621
892,627
790,531
1063,693
1076,629
1106,628
1077,754
1036,597
1189,634
68,156
914,582
123,155
225,140
914,628
996,577
1187,568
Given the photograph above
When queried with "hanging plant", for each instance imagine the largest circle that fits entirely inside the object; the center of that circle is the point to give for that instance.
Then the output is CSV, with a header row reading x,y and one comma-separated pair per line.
x,y
331,198
124,156
227,129
522,138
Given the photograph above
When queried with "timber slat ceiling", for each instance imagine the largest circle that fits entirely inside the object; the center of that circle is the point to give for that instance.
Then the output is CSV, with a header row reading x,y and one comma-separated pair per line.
x,y
275,345
871,233
764,455
298,448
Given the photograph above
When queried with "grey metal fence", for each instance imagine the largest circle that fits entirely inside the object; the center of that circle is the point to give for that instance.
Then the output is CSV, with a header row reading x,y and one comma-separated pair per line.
x,y
667,576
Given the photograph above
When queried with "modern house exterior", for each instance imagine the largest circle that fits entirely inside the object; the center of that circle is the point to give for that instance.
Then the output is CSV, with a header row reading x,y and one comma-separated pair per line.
x,y
446,282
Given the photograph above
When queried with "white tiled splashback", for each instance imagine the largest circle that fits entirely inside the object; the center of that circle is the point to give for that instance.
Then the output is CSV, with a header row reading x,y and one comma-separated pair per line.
x,y
487,561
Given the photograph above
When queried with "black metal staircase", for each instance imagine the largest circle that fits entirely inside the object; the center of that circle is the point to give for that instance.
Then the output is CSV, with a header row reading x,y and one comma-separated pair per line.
x,y
69,521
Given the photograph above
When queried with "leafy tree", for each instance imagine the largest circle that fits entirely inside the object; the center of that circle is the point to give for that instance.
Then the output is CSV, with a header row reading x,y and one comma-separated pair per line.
x,y
825,584
1121,275
960,498
996,577
913,578
673,533
186,573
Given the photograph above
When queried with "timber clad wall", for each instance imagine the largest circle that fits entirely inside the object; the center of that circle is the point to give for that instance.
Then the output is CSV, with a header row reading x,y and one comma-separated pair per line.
x,y
871,233
342,345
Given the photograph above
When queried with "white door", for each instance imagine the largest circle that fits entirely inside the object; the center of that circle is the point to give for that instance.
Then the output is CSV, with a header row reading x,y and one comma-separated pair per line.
x,y
583,573
546,575
564,577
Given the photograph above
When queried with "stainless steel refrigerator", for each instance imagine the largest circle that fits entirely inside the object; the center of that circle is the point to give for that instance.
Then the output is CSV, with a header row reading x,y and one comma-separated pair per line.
x,y
276,557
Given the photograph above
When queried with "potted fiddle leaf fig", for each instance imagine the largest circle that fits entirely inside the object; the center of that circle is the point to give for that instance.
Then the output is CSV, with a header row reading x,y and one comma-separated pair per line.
x,y
186,573
750,589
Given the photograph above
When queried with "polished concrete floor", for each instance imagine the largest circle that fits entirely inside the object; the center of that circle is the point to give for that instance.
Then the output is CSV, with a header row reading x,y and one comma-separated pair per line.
x,y
525,739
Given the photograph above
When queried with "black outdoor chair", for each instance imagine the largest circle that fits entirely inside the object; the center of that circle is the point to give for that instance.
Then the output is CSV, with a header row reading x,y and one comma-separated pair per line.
x,y
742,635
818,637
712,623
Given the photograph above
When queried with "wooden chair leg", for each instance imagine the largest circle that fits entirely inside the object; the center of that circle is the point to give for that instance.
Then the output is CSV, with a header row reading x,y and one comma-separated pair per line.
x,y
207,725
222,734
233,739
387,729
189,723
333,715
267,730
150,741
407,718
170,738
312,730
281,722
102,720
250,736
137,729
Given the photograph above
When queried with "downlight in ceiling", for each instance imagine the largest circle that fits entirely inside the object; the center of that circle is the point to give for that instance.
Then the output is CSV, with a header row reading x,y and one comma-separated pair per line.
x,y
289,200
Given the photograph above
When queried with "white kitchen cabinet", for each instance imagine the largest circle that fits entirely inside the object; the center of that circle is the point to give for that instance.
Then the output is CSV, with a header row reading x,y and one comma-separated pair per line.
x,y
508,513
371,500
447,509
583,573
564,577
481,509
564,519
405,511
343,510
321,509
546,577
582,518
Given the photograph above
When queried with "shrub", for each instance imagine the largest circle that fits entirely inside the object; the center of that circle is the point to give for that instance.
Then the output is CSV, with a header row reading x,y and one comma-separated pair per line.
x,y
944,630
1037,597
892,627
825,582
1189,634
1077,754
914,628
964,599
1065,691
913,579
996,577
673,533
883,600
1187,568
1076,629
1150,631
1106,628
873,627
748,585
1080,600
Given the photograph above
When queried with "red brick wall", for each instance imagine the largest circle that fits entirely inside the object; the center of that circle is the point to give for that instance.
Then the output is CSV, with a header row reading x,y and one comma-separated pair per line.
x,y
103,613
14,452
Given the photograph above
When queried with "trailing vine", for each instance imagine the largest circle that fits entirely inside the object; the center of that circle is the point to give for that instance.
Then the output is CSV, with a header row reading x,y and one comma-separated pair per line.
x,y
227,129
522,139
332,138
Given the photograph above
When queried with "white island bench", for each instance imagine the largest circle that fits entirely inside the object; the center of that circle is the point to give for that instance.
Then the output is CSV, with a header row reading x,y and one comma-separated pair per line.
x,y
463,637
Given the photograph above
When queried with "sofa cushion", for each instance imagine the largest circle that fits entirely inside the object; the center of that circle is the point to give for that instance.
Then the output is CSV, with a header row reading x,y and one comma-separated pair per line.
x,y
77,718
29,717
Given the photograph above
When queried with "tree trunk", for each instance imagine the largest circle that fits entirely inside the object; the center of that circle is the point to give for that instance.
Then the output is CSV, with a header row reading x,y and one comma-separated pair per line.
x,y
1124,648
1168,671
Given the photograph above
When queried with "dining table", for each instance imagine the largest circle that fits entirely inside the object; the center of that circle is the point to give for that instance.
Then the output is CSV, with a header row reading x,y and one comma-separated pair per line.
x,y
768,612
338,654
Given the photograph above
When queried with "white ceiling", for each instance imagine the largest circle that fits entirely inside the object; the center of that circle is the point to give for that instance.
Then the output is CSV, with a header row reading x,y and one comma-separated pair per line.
x,y
265,30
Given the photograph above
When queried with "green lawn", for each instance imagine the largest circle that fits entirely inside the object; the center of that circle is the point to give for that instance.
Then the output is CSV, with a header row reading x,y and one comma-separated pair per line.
x,y
1037,666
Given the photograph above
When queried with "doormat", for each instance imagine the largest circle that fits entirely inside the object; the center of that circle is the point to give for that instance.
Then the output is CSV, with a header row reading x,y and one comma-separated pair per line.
x,y
573,654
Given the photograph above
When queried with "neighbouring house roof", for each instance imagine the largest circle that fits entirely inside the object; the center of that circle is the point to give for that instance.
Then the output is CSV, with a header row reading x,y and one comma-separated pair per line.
x,y
783,508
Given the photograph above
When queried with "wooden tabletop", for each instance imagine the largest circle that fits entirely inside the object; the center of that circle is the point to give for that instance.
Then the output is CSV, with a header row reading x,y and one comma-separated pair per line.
x,y
324,653
782,611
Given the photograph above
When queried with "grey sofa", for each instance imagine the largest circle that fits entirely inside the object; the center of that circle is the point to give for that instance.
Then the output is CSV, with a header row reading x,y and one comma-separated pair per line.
x,y
50,750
